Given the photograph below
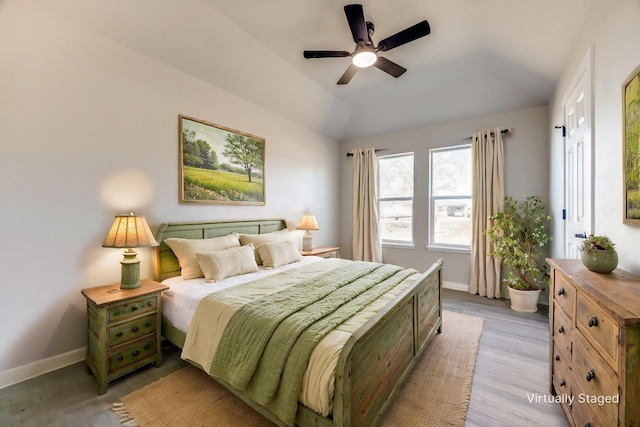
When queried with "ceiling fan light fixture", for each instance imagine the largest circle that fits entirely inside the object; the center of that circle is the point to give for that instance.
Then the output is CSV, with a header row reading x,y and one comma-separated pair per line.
x,y
364,58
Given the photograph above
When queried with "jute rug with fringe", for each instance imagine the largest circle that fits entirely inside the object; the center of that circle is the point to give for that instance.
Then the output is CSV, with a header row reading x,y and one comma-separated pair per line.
x,y
436,392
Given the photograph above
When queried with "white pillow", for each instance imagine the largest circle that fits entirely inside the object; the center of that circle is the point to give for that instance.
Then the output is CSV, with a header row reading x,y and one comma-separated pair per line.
x,y
216,265
185,250
259,239
276,254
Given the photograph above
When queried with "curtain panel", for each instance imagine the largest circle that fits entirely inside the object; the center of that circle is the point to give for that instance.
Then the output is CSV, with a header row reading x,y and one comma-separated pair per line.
x,y
366,244
487,199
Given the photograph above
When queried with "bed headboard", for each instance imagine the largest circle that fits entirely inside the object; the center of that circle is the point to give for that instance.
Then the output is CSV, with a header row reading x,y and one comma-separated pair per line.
x,y
166,264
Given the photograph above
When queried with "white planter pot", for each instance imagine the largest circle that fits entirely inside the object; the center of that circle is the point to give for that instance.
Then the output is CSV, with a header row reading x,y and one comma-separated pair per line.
x,y
524,301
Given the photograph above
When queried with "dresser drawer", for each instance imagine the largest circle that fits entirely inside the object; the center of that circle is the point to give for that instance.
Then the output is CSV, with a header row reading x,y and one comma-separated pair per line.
x,y
132,353
564,293
131,330
599,328
131,308
562,331
594,382
561,374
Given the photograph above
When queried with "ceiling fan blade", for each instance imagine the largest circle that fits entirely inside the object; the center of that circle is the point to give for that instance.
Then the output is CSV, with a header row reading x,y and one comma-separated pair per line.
x,y
348,75
407,35
325,54
355,17
390,67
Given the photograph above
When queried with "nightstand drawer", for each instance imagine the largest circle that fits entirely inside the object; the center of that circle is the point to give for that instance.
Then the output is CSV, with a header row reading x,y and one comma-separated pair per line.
x,y
131,308
131,330
132,353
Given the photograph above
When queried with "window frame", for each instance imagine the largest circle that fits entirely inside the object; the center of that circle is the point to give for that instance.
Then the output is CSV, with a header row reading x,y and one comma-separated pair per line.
x,y
390,242
432,202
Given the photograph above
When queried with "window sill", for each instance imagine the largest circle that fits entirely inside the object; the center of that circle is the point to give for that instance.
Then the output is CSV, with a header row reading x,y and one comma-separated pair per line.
x,y
449,249
398,245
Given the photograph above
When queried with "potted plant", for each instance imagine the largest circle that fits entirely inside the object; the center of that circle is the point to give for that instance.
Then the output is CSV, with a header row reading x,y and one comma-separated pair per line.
x,y
599,254
519,235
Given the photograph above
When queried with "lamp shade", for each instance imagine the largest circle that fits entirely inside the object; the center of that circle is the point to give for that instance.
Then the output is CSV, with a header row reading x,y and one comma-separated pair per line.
x,y
129,231
308,222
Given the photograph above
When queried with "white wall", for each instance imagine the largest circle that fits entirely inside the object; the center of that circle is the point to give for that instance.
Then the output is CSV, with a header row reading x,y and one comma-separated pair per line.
x,y
526,173
88,129
612,31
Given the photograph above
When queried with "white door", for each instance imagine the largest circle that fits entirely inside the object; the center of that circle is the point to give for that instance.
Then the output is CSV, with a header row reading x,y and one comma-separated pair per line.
x,y
578,160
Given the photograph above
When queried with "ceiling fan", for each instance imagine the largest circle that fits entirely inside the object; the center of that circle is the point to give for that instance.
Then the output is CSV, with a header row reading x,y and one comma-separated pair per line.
x,y
365,53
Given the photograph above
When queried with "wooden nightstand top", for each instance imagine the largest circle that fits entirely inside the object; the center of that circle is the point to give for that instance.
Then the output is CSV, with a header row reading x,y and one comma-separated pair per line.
x,y
110,293
320,250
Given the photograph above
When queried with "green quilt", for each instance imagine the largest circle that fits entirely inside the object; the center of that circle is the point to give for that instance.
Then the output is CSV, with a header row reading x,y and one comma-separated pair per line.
x,y
265,348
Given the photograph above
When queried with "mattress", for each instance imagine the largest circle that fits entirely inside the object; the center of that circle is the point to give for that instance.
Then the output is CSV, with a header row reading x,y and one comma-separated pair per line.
x,y
181,300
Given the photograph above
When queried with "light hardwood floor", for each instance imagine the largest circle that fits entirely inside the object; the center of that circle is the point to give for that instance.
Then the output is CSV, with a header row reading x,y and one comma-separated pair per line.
x,y
512,367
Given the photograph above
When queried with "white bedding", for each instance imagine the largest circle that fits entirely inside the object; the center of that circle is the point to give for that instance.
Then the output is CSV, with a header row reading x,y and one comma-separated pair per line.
x,y
181,300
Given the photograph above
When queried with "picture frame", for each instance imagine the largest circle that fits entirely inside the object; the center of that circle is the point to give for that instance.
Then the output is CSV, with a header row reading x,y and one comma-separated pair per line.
x,y
219,165
631,147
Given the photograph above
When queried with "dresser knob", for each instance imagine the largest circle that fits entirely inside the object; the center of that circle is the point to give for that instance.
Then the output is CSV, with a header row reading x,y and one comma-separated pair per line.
x,y
593,322
135,329
557,357
587,424
591,375
119,334
135,353
134,308
121,357
561,330
147,347
147,325
561,291
563,383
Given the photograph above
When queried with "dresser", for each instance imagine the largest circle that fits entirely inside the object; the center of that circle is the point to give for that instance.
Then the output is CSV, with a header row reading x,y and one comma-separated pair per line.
x,y
594,344
123,329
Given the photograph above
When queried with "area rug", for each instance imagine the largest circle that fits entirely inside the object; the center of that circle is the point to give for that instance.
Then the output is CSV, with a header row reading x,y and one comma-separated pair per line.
x,y
436,392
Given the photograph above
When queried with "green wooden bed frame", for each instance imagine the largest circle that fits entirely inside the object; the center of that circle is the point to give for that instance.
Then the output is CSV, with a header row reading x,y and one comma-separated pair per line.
x,y
374,362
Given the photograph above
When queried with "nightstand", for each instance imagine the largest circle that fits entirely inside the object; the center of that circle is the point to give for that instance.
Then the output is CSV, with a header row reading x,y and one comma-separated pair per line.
x,y
123,329
322,251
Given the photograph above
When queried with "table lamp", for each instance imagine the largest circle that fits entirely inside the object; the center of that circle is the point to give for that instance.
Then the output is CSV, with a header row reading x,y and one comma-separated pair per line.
x,y
307,222
129,231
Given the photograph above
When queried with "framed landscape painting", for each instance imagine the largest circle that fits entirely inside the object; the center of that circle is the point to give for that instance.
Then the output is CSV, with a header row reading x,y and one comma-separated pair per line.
x,y
220,165
631,147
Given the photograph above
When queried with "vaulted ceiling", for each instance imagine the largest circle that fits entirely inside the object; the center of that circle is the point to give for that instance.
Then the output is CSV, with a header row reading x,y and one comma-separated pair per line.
x,y
482,56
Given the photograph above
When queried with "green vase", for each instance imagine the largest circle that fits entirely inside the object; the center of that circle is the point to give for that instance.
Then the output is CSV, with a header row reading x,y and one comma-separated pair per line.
x,y
602,262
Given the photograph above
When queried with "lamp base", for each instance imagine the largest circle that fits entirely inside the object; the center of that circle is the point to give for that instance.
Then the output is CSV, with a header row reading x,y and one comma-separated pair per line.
x,y
130,277
306,242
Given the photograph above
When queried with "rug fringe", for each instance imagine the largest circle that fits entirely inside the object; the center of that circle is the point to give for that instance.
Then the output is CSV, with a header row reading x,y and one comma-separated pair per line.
x,y
126,419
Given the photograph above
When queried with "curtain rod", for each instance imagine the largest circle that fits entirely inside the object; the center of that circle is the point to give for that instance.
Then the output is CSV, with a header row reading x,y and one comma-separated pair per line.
x,y
350,153
502,131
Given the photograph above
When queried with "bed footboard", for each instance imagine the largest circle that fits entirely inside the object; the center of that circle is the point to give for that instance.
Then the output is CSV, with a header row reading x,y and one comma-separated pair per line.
x,y
380,355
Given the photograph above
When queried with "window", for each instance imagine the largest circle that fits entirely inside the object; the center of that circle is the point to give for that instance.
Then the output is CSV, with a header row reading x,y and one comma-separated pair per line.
x,y
395,198
450,197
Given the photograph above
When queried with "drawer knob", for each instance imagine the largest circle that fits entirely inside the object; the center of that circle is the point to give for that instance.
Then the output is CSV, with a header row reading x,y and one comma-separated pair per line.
x,y
591,375
563,383
561,330
557,357
147,347
135,329
121,358
587,424
119,334
134,308
593,322
135,353
149,304
147,325
561,291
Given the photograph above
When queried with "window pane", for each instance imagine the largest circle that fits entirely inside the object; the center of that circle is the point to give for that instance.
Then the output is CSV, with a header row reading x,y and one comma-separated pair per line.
x,y
451,172
395,220
452,222
395,176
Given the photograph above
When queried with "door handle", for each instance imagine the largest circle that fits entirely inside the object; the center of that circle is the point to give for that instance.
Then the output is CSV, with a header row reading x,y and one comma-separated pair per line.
x,y
581,235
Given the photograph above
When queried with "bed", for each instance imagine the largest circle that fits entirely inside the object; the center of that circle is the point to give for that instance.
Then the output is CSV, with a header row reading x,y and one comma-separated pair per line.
x,y
374,360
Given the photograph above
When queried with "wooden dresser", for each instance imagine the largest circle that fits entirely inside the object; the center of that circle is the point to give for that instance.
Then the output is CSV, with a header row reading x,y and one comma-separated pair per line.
x,y
594,344
123,329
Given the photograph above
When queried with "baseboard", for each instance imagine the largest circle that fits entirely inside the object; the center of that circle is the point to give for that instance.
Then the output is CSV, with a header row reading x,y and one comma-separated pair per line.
x,y
455,286
34,369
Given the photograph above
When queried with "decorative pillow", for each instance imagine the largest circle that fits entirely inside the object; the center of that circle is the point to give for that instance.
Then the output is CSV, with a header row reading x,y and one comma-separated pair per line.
x,y
259,239
216,265
185,250
276,254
